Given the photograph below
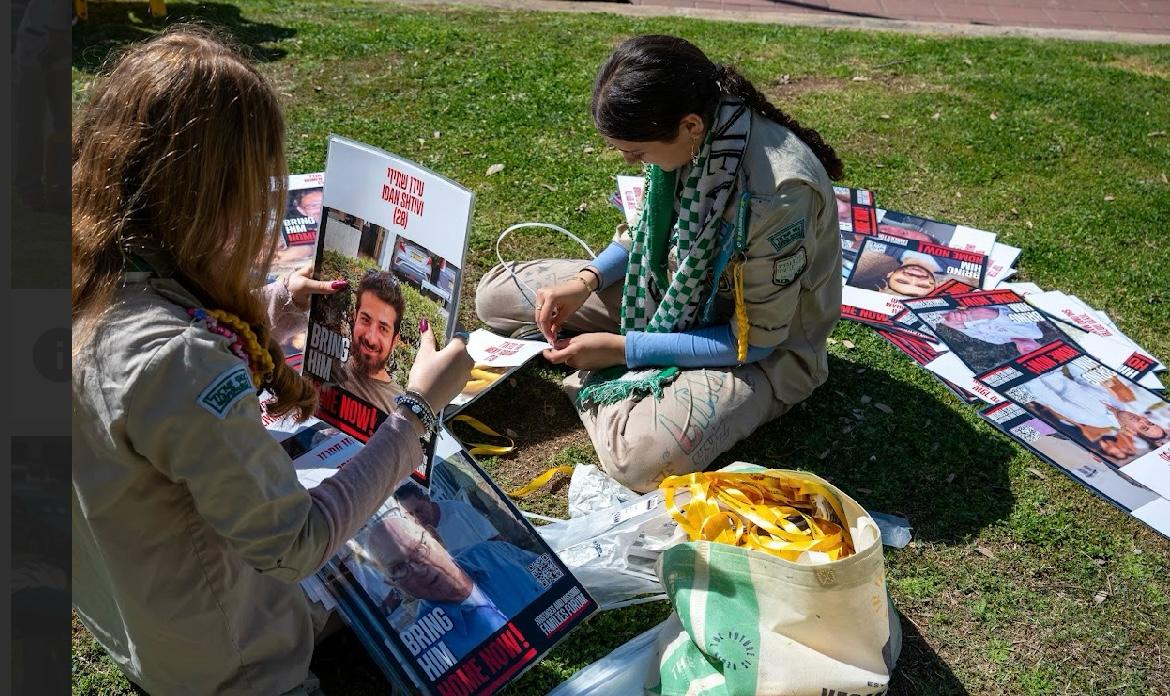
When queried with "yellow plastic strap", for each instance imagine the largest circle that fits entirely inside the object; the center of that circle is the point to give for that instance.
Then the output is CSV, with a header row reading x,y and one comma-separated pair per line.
x,y
766,511
741,317
474,448
540,480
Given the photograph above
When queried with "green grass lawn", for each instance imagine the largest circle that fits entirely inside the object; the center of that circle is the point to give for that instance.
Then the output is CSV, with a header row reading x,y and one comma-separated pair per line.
x,y
1061,148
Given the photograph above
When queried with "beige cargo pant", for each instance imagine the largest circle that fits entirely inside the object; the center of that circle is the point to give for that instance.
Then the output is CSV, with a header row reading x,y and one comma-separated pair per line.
x,y
639,442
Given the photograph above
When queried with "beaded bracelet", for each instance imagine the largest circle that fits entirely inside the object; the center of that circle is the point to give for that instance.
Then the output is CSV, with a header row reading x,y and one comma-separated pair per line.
x,y
416,404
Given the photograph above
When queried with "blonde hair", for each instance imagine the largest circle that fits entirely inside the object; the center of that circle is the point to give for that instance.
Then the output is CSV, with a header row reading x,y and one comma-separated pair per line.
x,y
180,151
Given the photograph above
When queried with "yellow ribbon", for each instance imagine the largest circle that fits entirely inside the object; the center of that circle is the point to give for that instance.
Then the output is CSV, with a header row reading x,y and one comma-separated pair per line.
x,y
766,511
540,480
474,448
741,317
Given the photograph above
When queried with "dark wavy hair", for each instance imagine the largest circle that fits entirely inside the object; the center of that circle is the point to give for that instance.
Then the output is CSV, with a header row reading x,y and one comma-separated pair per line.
x,y
649,83
386,288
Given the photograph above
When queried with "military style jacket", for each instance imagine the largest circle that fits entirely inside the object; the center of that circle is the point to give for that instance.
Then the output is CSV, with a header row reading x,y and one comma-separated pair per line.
x,y
792,271
190,530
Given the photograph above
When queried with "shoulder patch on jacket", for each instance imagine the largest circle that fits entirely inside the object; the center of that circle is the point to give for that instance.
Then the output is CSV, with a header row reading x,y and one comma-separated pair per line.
x,y
787,235
225,390
787,269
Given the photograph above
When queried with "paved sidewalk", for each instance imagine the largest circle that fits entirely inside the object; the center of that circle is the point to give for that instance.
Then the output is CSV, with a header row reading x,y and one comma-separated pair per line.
x,y
1141,21
1136,16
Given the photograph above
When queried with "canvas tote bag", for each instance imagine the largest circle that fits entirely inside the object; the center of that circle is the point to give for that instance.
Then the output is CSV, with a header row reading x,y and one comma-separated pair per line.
x,y
749,622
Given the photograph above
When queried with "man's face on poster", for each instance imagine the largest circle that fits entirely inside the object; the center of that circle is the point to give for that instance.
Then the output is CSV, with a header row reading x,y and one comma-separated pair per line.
x,y
310,205
958,318
425,511
414,562
374,334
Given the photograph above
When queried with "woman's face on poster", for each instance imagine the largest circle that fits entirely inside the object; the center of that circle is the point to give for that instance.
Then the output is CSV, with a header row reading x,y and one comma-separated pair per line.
x,y
911,280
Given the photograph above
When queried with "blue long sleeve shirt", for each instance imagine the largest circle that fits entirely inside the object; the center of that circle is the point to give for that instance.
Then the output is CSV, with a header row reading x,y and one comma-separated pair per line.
x,y
710,346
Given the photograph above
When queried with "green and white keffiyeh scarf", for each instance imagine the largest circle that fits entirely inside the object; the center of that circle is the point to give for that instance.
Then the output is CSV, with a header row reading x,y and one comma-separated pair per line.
x,y
695,235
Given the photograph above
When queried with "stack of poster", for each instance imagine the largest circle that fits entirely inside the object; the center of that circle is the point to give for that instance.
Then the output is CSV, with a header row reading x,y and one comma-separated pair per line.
x,y
297,245
1051,372
448,587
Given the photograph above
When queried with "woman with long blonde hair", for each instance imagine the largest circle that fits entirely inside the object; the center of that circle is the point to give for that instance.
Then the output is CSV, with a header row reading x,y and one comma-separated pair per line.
x,y
190,530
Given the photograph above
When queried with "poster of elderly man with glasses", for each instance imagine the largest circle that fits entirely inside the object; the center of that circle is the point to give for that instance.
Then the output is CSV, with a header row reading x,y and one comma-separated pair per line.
x,y
450,565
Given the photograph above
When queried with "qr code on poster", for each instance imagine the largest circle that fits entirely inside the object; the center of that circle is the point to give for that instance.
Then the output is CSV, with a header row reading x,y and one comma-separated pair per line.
x,y
1026,433
545,571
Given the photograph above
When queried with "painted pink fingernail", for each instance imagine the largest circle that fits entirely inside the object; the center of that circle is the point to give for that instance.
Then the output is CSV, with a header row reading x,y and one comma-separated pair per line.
x,y
423,325
339,284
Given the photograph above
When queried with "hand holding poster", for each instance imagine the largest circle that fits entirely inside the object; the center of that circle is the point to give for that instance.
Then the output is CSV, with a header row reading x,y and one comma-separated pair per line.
x,y
296,249
397,233
302,218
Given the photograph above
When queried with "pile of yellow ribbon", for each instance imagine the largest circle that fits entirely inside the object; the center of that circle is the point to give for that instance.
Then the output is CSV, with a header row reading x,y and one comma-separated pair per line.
x,y
767,511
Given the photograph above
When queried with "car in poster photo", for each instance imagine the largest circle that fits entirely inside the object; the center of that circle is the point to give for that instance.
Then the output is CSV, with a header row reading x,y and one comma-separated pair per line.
x,y
445,280
412,262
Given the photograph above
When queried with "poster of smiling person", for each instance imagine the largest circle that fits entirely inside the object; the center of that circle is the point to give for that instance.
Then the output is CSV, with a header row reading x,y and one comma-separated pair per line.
x,y
396,234
895,225
1092,405
888,271
1081,465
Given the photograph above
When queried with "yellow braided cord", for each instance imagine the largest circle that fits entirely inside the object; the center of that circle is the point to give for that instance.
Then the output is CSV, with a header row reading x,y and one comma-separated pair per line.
x,y
766,511
741,317
474,448
541,480
261,360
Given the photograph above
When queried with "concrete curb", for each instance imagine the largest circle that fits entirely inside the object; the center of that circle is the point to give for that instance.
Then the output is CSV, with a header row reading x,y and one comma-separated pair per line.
x,y
802,20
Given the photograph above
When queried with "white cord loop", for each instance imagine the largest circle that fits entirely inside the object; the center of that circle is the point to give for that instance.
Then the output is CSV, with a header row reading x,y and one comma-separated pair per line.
x,y
508,266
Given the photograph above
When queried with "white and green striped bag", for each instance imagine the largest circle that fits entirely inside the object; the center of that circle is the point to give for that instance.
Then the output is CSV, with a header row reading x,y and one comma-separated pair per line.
x,y
747,622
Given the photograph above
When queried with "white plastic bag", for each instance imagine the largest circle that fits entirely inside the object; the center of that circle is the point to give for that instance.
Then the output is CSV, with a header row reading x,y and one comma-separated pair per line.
x,y
623,671
614,551
590,490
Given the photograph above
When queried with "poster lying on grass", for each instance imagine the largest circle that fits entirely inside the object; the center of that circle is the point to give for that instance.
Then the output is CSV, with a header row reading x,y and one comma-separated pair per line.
x,y
894,225
448,588
1093,406
888,271
987,328
398,234
1102,478
856,219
